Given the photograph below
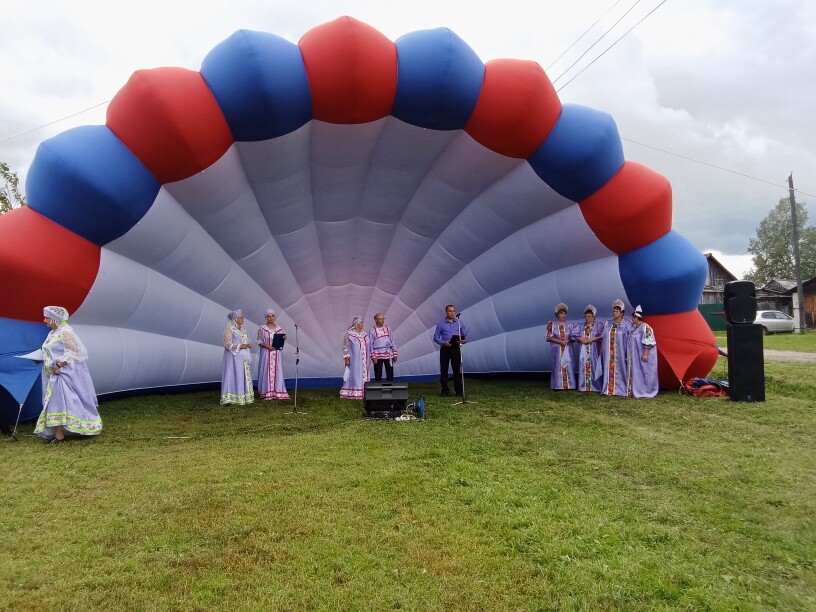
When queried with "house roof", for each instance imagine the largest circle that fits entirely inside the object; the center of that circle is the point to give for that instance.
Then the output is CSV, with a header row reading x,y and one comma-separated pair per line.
x,y
779,285
713,260
806,284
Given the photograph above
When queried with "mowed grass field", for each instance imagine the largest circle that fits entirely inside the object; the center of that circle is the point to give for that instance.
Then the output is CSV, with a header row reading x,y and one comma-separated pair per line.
x,y
526,499
803,343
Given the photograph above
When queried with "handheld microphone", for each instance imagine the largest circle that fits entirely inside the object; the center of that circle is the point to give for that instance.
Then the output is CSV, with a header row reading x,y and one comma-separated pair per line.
x,y
458,314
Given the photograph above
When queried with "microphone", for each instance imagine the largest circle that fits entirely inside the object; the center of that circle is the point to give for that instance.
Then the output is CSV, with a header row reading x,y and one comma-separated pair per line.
x,y
458,314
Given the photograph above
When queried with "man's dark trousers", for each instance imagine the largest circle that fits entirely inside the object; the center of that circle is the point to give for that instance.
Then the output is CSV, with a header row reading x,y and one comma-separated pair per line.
x,y
450,355
389,370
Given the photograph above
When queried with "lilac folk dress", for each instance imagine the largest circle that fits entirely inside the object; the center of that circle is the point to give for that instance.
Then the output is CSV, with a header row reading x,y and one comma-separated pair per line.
x,y
69,398
590,364
271,385
613,352
642,375
355,347
562,374
236,379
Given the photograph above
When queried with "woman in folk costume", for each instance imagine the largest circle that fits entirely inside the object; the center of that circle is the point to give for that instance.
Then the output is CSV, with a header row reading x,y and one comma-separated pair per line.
x,y
383,349
642,374
588,337
613,351
69,398
271,385
236,379
559,334
355,355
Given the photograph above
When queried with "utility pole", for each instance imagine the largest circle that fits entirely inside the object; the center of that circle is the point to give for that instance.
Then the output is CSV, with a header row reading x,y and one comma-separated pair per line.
x,y
796,261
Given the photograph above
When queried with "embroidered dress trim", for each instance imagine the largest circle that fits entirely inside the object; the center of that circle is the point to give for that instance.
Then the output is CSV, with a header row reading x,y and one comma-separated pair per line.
x,y
562,334
588,360
241,399
349,393
70,423
610,387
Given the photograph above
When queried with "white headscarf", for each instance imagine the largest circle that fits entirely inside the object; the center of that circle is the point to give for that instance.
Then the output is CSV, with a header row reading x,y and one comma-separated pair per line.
x,y
56,313
74,350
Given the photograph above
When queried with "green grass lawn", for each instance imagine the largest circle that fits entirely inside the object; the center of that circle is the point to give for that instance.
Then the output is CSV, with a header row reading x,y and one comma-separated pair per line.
x,y
528,499
805,343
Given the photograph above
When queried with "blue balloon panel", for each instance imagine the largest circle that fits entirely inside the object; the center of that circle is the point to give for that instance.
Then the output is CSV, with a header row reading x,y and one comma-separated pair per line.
x,y
86,180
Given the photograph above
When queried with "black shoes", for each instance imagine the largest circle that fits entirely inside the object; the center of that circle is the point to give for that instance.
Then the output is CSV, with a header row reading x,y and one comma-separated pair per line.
x,y
445,393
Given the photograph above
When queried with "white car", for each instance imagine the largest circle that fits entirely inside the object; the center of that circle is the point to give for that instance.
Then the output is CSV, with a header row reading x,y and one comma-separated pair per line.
x,y
773,321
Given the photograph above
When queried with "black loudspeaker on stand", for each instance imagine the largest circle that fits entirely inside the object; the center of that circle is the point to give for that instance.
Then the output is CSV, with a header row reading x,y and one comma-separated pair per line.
x,y
746,361
739,302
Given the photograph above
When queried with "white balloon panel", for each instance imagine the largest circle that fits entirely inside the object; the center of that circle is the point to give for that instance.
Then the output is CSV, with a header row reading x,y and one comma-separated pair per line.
x,y
385,217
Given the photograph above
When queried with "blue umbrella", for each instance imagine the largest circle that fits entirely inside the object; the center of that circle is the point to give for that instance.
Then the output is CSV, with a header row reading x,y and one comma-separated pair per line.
x,y
18,376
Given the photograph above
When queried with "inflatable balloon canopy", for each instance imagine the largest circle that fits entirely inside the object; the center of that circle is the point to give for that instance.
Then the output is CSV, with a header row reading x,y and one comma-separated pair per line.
x,y
346,174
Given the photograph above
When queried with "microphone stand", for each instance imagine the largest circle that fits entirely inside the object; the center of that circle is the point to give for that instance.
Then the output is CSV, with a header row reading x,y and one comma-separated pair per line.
x,y
297,362
461,364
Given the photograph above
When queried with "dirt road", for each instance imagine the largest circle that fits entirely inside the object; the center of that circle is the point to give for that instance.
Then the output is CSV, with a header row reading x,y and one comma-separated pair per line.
x,y
771,355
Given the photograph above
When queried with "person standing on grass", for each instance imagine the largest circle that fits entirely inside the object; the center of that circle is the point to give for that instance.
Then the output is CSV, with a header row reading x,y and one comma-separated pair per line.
x,y
450,334
271,385
355,357
236,378
642,370
69,398
559,335
383,349
588,336
615,338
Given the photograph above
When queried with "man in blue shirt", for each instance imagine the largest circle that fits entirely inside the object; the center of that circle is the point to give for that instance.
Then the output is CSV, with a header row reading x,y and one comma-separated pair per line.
x,y
449,333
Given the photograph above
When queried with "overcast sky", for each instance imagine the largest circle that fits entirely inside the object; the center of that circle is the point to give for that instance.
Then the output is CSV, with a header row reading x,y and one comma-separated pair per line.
x,y
728,83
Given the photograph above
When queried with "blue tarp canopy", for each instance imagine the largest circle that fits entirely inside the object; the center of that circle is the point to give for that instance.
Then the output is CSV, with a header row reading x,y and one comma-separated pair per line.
x,y
19,376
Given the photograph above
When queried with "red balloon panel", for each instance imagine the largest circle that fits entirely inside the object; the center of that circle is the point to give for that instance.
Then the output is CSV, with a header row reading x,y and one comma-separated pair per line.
x,y
686,347
352,71
170,120
516,110
632,210
56,269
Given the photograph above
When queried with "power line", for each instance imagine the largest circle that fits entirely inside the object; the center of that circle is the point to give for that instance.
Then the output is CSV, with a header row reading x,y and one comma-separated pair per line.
x,y
610,46
697,161
577,40
39,127
599,39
